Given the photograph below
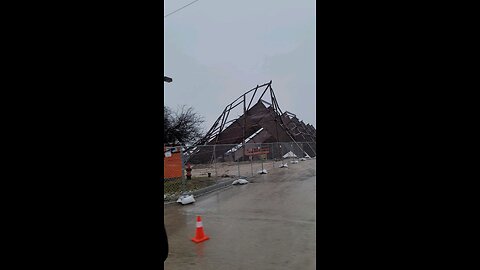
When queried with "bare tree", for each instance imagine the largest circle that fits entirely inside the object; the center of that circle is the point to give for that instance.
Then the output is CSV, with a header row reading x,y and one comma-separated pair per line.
x,y
182,126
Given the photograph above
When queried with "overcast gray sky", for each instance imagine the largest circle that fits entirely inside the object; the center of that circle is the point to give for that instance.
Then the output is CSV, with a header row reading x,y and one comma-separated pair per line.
x,y
215,50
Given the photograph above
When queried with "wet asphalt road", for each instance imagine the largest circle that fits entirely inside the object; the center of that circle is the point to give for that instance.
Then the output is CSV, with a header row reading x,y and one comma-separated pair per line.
x,y
267,224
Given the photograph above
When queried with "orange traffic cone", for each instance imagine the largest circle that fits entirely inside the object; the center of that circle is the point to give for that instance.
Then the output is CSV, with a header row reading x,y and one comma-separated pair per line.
x,y
200,234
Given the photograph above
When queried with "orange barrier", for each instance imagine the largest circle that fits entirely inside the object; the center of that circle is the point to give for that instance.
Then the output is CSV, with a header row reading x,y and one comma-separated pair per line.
x,y
172,165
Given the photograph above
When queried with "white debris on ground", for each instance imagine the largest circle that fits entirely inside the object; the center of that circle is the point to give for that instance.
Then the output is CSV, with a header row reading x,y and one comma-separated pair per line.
x,y
303,159
289,155
284,165
294,161
186,199
240,182
264,171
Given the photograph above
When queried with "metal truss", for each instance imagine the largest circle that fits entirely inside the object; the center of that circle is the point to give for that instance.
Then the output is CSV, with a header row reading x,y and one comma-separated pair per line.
x,y
241,129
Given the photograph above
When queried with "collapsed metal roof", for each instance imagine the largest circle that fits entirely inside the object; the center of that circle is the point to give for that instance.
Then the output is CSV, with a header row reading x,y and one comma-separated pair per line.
x,y
260,122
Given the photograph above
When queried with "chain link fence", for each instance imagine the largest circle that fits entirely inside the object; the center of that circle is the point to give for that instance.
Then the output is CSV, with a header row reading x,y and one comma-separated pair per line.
x,y
220,164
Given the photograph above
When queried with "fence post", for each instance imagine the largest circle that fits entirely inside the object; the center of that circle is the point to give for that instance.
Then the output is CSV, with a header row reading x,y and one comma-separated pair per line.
x,y
238,168
281,154
262,162
294,156
215,161
273,155
251,164
184,181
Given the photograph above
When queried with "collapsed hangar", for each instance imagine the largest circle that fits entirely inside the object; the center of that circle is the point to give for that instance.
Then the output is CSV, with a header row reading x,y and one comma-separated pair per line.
x,y
261,122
